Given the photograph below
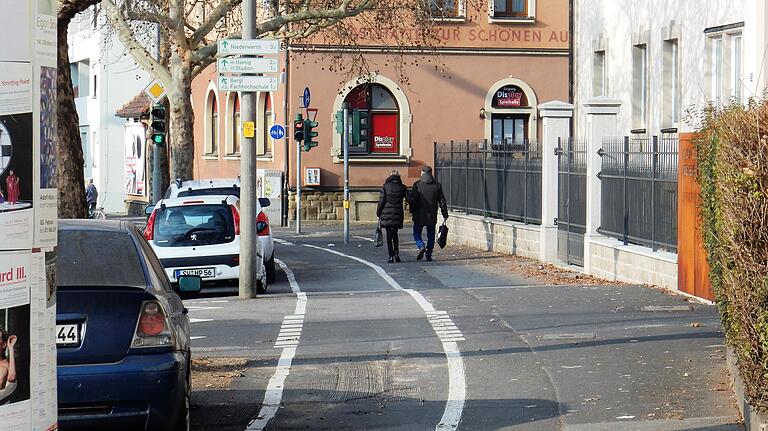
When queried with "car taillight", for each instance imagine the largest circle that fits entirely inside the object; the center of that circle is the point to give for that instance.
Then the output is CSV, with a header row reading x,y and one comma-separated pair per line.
x,y
262,224
236,218
149,231
153,329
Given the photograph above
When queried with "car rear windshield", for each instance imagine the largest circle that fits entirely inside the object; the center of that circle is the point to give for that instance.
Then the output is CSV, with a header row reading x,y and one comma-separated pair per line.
x,y
226,191
194,225
98,258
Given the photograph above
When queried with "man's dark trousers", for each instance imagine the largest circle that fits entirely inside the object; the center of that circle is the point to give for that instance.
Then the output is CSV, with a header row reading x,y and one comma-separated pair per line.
x,y
417,229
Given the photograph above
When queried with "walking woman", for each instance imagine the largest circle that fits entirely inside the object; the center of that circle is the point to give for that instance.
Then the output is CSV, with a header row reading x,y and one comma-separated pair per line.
x,y
390,212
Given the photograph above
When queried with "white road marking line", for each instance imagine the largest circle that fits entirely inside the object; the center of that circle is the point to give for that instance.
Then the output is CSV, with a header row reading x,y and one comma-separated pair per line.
x,y
288,342
198,337
363,238
194,308
457,386
194,320
282,241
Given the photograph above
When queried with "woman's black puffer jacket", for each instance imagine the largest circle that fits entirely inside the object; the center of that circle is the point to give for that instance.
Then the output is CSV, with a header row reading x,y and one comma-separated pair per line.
x,y
390,209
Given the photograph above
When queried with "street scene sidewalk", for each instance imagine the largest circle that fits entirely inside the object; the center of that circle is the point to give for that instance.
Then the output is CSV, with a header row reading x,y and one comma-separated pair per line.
x,y
541,348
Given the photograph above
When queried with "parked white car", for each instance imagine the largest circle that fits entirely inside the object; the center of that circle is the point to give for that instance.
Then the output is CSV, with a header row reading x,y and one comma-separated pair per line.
x,y
200,236
231,186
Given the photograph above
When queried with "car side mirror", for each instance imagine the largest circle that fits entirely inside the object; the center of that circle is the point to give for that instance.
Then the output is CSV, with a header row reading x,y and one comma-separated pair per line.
x,y
264,202
148,210
189,284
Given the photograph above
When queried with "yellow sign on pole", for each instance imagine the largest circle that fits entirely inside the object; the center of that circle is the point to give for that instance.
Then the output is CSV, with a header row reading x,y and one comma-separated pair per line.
x,y
249,129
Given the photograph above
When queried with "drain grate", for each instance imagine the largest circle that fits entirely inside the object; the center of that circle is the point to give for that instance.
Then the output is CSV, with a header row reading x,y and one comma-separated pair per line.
x,y
568,336
655,308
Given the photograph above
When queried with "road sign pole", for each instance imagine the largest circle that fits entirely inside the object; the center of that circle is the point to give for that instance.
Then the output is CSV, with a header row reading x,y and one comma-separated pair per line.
x,y
345,144
250,263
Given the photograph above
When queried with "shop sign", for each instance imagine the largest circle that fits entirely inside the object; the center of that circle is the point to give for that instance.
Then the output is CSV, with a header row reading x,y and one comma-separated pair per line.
x,y
384,132
509,96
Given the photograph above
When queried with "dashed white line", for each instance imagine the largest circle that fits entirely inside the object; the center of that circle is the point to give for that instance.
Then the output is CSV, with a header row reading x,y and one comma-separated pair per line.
x,y
363,238
457,387
288,340
282,241
196,320
197,337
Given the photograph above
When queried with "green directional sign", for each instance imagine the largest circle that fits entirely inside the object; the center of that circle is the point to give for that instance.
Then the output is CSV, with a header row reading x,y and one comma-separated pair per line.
x,y
247,65
248,47
247,83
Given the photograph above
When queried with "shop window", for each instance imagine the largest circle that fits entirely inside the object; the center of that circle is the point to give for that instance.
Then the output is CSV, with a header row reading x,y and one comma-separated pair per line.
x,y
375,119
510,115
212,125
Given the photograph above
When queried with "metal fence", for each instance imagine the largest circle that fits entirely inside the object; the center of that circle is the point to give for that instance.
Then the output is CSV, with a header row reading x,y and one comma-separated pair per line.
x,y
493,180
571,199
639,190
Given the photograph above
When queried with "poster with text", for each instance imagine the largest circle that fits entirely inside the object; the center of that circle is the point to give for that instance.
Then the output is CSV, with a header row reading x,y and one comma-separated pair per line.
x,y
46,199
16,181
43,324
45,33
135,144
16,21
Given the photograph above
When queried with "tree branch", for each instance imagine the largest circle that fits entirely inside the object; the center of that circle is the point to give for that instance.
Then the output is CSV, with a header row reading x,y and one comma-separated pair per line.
x,y
221,10
149,17
128,39
343,11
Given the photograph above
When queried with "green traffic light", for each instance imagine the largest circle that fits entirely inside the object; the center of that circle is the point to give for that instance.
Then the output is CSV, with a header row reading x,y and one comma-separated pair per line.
x,y
158,138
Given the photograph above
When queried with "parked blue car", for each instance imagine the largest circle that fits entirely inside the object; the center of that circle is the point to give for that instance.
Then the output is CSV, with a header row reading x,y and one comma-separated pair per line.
x,y
122,332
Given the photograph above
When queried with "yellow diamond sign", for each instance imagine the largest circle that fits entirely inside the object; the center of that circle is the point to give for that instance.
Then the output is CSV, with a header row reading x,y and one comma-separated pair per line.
x,y
155,91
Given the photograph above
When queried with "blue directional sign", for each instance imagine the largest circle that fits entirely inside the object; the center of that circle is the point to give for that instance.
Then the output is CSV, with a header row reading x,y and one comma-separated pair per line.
x,y
277,132
306,97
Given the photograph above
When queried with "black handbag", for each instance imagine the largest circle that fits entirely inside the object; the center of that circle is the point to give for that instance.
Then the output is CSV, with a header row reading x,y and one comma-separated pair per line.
x,y
442,235
378,238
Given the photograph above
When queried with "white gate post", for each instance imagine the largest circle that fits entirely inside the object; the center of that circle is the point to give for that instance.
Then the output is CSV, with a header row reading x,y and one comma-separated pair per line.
x,y
602,121
556,118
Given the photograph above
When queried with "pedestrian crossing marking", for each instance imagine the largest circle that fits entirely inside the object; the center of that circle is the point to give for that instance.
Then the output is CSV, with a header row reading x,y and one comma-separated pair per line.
x,y
444,327
290,331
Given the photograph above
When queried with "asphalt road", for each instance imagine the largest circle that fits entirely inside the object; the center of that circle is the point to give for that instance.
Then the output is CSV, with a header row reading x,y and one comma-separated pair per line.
x,y
345,341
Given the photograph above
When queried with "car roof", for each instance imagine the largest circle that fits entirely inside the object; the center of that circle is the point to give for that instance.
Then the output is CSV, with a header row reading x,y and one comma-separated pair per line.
x,y
94,225
205,200
210,183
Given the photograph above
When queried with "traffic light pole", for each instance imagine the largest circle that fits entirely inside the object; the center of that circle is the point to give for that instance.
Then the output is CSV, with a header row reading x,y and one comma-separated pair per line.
x,y
345,144
157,174
298,187
249,258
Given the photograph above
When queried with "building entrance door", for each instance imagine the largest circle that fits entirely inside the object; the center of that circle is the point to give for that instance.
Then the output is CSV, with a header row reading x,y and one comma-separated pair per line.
x,y
509,129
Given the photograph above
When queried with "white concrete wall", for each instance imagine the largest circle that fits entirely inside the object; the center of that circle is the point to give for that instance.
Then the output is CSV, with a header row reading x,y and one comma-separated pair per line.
x,y
617,25
119,80
494,235
612,260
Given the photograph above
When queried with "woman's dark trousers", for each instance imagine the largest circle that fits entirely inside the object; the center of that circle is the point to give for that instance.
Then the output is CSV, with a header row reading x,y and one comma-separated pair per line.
x,y
393,242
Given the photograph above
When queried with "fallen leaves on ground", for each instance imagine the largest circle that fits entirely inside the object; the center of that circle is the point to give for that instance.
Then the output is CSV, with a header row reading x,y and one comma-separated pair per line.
x,y
216,373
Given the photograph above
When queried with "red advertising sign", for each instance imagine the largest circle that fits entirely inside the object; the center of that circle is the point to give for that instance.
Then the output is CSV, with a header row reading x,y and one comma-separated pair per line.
x,y
509,96
384,133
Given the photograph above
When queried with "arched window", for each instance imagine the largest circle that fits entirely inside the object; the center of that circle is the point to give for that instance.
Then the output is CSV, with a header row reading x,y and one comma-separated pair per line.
x,y
375,120
236,126
268,123
510,114
212,124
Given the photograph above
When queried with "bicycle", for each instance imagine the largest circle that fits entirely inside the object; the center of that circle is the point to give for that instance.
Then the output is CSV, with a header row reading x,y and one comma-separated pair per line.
x,y
97,214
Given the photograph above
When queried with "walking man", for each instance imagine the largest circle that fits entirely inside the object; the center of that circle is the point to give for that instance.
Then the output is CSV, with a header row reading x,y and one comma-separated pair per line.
x,y
91,196
426,197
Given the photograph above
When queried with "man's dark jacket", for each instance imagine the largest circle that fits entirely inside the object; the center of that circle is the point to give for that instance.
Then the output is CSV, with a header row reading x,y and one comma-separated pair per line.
x,y
426,197
390,209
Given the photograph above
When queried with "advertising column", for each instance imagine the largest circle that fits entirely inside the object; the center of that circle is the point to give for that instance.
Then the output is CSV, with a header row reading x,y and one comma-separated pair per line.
x,y
28,210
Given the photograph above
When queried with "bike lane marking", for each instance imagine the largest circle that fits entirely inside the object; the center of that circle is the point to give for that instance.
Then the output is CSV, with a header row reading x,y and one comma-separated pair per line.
x,y
457,386
288,341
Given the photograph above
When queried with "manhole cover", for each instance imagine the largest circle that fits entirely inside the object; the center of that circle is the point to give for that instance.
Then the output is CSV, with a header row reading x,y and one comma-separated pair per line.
x,y
568,336
667,308
361,381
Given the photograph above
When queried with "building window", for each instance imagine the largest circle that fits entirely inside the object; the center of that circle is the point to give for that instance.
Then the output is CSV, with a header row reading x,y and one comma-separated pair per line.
x,y
510,8
375,119
236,124
736,68
211,125
266,149
640,86
80,73
599,85
671,84
716,69
446,8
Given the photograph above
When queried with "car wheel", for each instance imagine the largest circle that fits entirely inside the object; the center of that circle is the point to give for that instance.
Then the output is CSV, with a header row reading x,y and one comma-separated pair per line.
x,y
271,270
183,423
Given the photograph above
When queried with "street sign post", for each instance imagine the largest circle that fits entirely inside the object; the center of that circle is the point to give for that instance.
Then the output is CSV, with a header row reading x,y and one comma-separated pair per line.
x,y
277,131
247,83
248,47
155,90
247,65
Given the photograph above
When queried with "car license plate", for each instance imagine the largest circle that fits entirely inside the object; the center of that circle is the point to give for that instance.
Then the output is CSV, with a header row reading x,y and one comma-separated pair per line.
x,y
68,335
200,272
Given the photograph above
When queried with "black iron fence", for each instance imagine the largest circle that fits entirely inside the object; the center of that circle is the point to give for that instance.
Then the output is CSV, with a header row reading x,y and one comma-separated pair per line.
x,y
493,180
639,190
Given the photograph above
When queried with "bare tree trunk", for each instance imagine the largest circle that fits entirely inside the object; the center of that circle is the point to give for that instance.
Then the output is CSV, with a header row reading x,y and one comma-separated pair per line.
x,y
71,182
182,118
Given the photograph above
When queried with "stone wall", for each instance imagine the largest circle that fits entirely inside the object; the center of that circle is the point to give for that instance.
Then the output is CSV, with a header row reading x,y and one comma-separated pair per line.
x,y
612,260
329,205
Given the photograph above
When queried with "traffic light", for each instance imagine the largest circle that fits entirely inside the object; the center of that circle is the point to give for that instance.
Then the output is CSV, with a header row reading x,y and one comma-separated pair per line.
x,y
158,124
298,128
309,134
360,127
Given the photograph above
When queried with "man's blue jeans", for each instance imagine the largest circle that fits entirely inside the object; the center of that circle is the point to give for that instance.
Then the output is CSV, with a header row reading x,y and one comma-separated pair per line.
x,y
417,229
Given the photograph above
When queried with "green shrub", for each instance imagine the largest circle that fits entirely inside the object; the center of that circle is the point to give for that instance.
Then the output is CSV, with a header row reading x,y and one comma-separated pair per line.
x,y
732,149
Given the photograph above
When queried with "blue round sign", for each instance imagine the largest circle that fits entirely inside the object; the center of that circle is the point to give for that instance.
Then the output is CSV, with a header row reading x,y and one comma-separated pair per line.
x,y
306,98
277,131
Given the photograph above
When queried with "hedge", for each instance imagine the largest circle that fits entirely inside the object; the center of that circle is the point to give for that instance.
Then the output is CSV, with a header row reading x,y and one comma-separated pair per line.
x,y
732,152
